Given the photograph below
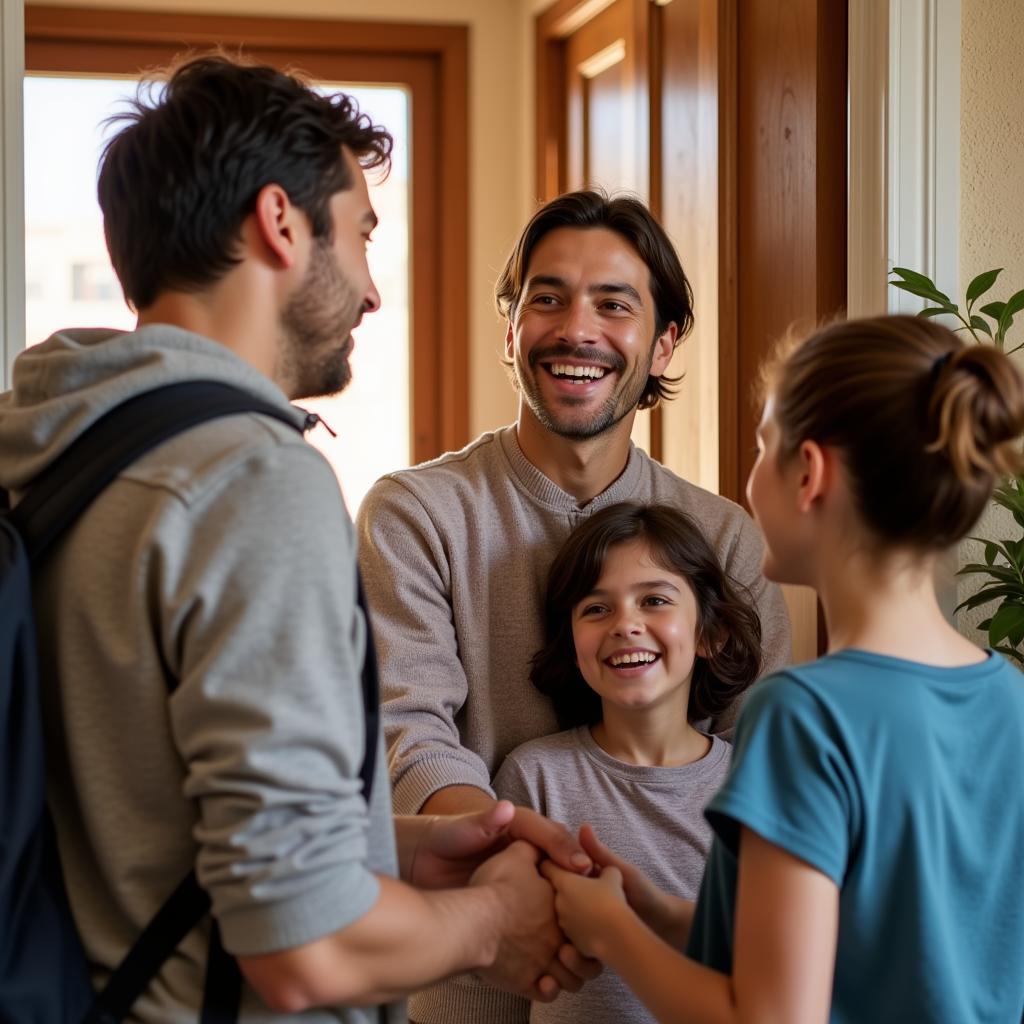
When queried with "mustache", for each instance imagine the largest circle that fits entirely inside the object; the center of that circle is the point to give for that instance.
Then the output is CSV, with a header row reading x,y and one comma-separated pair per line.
x,y
586,353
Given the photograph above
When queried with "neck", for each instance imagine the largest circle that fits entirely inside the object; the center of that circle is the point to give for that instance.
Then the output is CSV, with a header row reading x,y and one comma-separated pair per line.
x,y
238,312
580,467
653,737
887,605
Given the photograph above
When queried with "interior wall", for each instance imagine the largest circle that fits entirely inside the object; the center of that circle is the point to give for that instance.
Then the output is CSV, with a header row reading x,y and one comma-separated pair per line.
x,y
991,198
500,103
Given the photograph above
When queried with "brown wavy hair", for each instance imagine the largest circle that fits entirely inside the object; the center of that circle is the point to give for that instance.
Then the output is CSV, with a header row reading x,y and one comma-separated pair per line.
x,y
728,626
926,424
628,217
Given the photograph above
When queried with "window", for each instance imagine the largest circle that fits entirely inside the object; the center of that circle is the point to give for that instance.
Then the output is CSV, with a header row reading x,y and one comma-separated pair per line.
x,y
414,75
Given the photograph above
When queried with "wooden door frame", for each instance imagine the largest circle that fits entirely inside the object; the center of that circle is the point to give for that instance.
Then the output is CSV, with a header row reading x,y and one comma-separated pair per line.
x,y
431,60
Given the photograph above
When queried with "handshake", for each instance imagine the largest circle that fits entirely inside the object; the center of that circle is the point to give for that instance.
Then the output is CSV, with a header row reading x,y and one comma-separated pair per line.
x,y
521,863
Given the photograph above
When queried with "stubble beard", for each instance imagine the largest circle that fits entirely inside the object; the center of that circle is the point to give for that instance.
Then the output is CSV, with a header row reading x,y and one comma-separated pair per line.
x,y
324,309
616,407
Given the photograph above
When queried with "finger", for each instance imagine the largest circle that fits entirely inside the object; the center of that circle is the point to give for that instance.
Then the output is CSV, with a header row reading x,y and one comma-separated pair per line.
x,y
584,967
613,876
554,839
567,980
491,823
553,873
595,849
546,990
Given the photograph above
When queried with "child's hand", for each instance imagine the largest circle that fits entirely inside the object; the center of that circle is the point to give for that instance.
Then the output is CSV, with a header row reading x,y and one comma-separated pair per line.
x,y
587,907
667,915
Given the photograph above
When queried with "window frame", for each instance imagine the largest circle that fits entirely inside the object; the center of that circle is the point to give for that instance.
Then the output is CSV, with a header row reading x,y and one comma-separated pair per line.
x,y
429,60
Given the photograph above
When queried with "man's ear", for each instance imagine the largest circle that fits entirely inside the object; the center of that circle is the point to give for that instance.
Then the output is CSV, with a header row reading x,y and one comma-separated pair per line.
x,y
277,221
664,348
510,340
817,471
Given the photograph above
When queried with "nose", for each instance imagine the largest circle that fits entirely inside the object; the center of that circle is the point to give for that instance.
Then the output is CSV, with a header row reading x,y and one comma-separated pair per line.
x,y
628,622
371,300
577,324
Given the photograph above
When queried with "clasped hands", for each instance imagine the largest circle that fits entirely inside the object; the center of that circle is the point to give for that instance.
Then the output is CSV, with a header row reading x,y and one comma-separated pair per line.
x,y
507,848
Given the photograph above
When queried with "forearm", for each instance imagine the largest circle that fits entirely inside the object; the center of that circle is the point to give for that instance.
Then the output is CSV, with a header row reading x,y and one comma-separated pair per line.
x,y
457,800
674,988
409,939
674,920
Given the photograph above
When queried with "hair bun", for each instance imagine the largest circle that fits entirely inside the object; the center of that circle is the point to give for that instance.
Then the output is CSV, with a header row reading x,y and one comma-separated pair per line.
x,y
976,412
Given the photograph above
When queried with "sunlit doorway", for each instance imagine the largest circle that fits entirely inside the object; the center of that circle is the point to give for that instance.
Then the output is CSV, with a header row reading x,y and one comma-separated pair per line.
x,y
70,283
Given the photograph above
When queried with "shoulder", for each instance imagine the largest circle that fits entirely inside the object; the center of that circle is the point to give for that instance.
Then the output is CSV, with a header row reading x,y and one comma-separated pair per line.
x,y
248,453
435,482
722,520
547,750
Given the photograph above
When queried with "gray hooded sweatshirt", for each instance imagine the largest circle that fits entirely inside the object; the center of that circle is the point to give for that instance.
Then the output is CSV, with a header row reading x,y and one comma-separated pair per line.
x,y
201,651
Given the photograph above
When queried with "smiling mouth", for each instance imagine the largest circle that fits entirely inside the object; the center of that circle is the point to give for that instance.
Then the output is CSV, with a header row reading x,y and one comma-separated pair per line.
x,y
575,374
631,658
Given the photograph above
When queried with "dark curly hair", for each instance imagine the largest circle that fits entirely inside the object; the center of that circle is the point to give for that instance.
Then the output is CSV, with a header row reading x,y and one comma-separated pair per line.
x,y
181,176
629,218
729,628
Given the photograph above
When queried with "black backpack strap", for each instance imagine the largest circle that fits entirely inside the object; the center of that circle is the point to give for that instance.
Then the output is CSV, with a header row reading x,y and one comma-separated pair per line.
x,y
60,494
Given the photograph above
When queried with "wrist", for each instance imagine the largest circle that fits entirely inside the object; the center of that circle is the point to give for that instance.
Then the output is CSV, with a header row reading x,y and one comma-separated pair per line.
x,y
493,924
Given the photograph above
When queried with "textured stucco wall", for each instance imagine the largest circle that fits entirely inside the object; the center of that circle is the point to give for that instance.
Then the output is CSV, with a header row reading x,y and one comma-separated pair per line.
x,y
991,184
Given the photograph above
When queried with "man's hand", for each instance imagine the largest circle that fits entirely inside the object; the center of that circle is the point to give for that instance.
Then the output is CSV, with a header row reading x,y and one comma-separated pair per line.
x,y
530,939
588,909
552,838
667,915
449,848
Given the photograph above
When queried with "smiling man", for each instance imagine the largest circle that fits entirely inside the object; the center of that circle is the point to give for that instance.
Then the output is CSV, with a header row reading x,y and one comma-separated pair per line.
x,y
455,552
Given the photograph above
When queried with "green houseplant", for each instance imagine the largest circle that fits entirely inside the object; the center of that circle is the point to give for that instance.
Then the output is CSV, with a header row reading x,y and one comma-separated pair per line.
x,y
1003,568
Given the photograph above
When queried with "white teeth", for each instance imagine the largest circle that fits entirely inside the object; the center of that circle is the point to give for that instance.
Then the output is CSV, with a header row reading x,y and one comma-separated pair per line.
x,y
564,370
634,658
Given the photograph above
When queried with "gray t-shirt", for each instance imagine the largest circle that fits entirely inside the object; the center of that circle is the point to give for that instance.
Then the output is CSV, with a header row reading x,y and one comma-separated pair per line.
x,y
652,817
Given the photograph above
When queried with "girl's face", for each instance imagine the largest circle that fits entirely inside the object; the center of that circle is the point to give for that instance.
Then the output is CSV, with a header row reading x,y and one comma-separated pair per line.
x,y
636,632
771,491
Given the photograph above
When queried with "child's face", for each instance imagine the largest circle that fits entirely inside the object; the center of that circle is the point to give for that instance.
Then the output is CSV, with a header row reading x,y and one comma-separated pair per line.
x,y
772,493
636,632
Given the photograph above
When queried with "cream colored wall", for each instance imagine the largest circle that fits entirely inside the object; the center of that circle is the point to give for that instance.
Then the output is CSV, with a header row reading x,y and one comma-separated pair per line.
x,y
991,197
500,79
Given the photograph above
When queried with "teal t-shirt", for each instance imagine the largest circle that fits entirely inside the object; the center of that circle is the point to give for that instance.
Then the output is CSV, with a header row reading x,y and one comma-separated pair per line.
x,y
904,784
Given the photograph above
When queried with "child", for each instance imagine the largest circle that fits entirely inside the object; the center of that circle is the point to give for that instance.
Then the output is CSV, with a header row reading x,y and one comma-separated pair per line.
x,y
867,862
644,635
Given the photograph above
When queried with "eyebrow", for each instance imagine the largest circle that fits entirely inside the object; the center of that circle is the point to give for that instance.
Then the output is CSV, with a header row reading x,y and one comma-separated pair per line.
x,y
642,585
609,288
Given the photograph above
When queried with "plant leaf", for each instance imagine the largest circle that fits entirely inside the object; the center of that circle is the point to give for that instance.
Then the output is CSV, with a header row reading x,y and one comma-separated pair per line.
x,y
989,593
980,324
1008,620
925,292
933,311
913,275
980,285
990,552
997,572
1015,303
1010,652
993,309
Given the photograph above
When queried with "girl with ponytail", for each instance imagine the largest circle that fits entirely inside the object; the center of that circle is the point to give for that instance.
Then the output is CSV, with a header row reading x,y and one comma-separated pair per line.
x,y
868,860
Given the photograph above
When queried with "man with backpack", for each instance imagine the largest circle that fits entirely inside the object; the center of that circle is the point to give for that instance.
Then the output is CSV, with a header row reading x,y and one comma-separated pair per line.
x,y
205,665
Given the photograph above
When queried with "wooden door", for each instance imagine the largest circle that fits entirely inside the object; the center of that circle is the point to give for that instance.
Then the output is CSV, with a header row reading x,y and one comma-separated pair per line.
x,y
736,114
594,110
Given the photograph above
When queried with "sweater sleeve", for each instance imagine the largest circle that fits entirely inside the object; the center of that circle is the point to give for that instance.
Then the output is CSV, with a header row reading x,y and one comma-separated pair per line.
x,y
744,564
405,563
259,624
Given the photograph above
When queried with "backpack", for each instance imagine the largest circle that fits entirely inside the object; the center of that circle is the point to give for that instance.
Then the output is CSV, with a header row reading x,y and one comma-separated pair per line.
x,y
44,976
